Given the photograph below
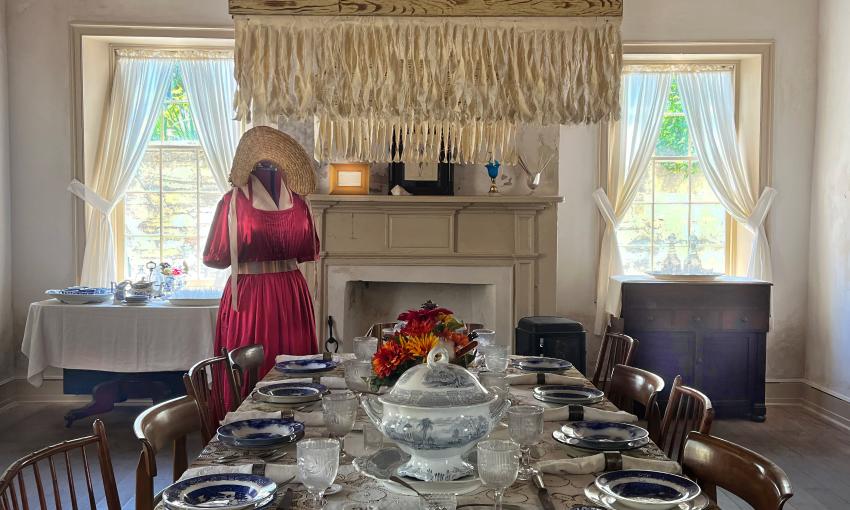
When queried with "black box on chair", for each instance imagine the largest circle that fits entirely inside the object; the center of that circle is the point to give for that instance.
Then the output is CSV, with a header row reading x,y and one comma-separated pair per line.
x,y
554,337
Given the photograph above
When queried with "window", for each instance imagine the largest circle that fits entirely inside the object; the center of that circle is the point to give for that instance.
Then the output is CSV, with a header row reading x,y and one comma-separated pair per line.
x,y
170,203
676,224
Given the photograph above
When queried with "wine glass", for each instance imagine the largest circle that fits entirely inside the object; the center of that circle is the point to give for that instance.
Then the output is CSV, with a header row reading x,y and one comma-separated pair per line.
x,y
318,463
498,463
339,410
525,425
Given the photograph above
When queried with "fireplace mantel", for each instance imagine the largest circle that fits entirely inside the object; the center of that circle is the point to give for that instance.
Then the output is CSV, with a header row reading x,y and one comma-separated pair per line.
x,y
436,239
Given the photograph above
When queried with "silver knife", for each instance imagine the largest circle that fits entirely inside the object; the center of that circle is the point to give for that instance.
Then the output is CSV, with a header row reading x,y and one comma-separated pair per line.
x,y
543,493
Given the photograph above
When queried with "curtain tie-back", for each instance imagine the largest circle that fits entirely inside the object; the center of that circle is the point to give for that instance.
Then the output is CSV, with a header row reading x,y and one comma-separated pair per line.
x,y
91,197
756,219
605,207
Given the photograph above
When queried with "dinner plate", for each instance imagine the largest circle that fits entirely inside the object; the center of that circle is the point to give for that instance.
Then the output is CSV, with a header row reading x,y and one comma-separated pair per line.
x,y
541,364
567,394
290,392
604,433
226,491
260,432
305,366
647,490
597,497
80,295
597,447
384,463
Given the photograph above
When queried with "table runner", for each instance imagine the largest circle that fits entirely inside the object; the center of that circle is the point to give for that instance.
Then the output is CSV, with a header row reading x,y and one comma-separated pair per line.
x,y
116,338
565,491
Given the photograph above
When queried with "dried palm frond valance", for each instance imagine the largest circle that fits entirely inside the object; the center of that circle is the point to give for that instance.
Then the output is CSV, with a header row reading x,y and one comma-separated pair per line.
x,y
470,75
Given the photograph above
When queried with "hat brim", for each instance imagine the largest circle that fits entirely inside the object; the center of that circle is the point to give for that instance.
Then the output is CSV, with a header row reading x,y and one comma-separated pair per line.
x,y
263,143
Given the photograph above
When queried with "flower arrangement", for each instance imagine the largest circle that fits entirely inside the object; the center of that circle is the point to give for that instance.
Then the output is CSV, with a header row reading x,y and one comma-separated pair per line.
x,y
422,330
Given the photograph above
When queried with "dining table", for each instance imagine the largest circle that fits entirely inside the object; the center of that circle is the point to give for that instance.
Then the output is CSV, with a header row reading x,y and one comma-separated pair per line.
x,y
361,492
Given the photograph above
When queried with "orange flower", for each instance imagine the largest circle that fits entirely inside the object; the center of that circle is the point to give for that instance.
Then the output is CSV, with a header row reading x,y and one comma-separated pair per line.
x,y
419,346
388,358
459,339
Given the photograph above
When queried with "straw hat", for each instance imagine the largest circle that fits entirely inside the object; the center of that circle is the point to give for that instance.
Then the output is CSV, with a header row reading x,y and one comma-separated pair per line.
x,y
263,143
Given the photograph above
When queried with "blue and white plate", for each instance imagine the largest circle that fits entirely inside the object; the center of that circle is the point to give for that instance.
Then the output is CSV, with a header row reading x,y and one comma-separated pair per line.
x,y
541,364
647,490
602,435
567,394
290,392
261,432
596,446
229,491
81,295
597,497
305,366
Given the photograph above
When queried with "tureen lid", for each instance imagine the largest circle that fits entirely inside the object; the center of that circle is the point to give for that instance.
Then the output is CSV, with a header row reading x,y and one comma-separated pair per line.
x,y
437,383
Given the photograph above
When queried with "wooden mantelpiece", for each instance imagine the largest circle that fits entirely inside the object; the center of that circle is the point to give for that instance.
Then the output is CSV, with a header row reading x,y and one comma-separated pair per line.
x,y
491,8
496,200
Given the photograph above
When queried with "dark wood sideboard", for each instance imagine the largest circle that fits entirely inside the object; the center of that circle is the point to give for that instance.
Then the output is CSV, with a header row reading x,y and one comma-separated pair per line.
x,y
713,334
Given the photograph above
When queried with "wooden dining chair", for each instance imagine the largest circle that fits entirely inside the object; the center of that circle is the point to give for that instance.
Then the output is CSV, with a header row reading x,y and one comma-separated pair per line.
x,y
688,409
245,364
164,424
53,471
636,391
208,382
616,349
713,462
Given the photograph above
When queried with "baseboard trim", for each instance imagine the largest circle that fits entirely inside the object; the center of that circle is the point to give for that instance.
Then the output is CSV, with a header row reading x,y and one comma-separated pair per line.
x,y
828,405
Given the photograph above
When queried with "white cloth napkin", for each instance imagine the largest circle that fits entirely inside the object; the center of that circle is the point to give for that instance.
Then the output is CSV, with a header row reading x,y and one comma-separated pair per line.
x,y
278,473
596,464
590,414
249,415
333,383
529,379
311,419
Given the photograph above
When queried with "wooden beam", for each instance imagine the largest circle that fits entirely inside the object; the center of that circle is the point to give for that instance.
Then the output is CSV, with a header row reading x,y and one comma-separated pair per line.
x,y
490,8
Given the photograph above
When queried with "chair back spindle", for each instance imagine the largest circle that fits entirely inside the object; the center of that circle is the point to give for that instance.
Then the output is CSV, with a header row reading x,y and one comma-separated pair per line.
x,y
688,409
616,349
245,364
24,482
209,383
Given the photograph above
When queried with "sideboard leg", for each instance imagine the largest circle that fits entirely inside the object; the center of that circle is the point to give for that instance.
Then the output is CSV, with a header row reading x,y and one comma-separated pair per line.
x,y
759,413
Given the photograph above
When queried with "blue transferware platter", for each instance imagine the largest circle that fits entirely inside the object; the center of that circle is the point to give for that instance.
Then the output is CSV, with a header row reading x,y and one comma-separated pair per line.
x,y
227,491
260,432
567,394
647,490
559,436
290,392
597,497
604,433
305,366
81,295
542,364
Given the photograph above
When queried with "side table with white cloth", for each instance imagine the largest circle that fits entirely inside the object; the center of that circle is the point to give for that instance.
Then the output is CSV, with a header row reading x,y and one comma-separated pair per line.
x,y
128,351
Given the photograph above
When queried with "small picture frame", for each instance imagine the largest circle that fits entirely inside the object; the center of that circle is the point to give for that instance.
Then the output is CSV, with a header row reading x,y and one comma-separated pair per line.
x,y
423,178
348,178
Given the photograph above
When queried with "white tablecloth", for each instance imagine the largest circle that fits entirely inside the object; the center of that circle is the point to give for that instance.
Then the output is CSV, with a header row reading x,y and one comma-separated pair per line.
x,y
116,338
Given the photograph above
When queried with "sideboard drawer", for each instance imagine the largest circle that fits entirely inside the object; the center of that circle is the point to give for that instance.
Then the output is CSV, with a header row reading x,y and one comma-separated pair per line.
x,y
648,319
686,320
745,320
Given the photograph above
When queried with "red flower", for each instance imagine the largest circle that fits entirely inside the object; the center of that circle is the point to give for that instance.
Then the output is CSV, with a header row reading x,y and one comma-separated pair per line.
x,y
423,314
418,327
388,358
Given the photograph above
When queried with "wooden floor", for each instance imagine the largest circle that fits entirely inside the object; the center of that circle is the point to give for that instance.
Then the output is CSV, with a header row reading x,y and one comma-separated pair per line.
x,y
813,452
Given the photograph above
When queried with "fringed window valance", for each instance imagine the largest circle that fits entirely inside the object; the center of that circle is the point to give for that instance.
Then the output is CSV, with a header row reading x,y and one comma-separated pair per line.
x,y
470,80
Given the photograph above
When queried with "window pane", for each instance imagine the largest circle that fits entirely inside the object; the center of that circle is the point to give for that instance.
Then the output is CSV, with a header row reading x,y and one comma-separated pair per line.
x,y
644,192
708,224
707,258
176,250
674,102
178,123
700,190
138,251
179,169
636,259
636,228
209,202
207,183
669,257
141,214
673,138
179,214
147,177
671,182
671,224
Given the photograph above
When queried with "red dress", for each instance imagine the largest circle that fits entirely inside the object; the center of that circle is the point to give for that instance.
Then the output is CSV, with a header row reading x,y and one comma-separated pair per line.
x,y
274,309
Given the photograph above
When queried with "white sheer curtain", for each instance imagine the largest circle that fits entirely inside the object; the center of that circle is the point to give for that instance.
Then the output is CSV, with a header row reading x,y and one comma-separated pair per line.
x,y
138,89
632,142
210,88
709,104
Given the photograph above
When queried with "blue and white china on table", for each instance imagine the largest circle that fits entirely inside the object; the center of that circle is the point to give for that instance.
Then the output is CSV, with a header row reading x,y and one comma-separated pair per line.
x,y
647,490
602,436
597,497
436,413
80,295
230,491
385,463
290,392
567,394
542,364
261,432
305,366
